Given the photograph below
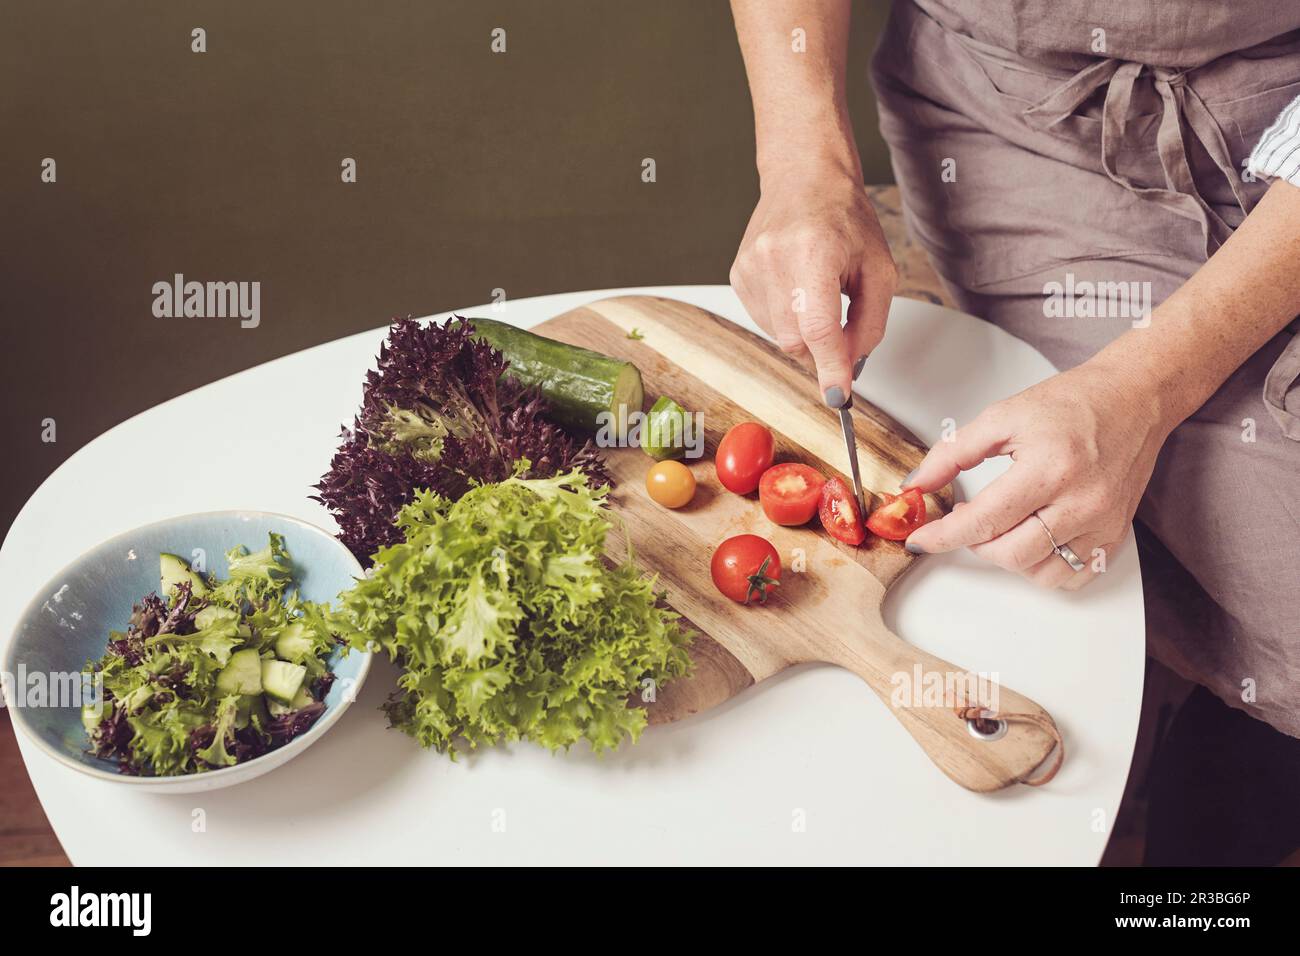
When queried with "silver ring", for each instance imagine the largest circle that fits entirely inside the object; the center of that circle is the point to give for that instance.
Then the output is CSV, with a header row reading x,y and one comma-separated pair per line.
x,y
1064,550
1071,558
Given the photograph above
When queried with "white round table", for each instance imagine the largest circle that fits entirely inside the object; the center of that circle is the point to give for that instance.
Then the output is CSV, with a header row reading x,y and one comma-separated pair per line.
x,y
807,768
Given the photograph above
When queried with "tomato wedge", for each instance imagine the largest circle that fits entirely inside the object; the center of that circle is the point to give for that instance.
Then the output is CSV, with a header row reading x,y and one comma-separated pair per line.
x,y
899,515
744,453
839,512
790,493
746,568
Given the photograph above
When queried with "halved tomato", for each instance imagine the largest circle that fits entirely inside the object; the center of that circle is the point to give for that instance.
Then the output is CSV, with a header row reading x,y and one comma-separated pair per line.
x,y
899,515
744,453
790,493
840,513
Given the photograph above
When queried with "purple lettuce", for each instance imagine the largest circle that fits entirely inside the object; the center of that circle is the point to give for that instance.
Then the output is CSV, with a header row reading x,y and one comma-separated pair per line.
x,y
440,413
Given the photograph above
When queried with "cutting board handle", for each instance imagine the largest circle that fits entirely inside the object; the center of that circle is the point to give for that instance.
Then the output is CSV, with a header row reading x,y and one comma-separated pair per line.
x,y
982,735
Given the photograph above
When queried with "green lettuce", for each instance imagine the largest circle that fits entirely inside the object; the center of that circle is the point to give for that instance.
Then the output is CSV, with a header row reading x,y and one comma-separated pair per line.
x,y
216,754
508,622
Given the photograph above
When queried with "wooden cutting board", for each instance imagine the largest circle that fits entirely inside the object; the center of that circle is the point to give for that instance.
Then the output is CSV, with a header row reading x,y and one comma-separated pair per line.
x,y
829,611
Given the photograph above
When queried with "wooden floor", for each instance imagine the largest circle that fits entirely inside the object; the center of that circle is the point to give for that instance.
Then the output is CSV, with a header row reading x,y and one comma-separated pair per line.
x,y
25,835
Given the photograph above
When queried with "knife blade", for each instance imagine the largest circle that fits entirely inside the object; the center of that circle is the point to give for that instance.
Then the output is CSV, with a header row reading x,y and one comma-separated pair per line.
x,y
851,447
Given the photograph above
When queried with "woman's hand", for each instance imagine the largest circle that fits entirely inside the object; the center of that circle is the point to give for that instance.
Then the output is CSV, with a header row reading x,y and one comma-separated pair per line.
x,y
1084,444
812,236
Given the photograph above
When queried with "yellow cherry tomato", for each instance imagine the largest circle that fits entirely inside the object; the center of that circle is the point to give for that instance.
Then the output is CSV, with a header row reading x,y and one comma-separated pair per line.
x,y
670,483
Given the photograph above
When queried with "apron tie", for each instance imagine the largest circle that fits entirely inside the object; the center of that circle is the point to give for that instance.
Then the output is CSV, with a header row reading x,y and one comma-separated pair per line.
x,y
1179,194
1179,102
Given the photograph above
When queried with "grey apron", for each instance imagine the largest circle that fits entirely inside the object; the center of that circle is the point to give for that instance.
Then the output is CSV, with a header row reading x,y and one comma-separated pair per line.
x,y
1041,142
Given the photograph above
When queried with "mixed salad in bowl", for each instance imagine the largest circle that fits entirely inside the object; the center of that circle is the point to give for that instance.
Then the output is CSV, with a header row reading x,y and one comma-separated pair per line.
x,y
207,673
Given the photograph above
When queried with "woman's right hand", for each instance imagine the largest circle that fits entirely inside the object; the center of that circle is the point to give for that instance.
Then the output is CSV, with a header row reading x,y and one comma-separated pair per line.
x,y
812,236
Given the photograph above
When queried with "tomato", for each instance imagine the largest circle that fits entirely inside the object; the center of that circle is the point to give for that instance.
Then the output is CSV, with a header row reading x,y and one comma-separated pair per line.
x,y
790,493
899,515
840,513
670,483
746,567
744,453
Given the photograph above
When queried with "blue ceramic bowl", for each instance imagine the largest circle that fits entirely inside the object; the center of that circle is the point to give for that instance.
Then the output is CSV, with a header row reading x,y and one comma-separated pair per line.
x,y
67,624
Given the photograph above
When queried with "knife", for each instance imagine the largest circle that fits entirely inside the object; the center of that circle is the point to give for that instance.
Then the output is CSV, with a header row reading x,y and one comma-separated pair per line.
x,y
851,446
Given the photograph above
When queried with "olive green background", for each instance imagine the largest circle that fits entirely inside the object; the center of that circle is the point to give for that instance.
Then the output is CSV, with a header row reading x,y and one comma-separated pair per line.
x,y
476,171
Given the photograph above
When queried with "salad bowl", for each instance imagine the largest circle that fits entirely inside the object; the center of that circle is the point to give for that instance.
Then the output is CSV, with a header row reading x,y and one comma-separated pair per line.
x,y
67,624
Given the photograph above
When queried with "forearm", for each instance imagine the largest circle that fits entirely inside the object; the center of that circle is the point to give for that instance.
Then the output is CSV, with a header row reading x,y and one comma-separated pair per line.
x,y
1244,295
800,110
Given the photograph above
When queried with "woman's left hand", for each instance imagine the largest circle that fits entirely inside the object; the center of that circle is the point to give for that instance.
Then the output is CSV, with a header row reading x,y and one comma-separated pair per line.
x,y
1083,442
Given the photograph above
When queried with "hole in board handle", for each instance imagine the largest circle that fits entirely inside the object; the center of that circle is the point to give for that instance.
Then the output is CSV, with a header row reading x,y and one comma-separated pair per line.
x,y
986,729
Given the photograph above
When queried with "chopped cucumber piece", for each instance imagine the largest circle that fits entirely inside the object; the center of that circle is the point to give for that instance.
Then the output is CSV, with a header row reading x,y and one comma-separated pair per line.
x,y
663,433
243,675
300,700
294,643
173,570
282,680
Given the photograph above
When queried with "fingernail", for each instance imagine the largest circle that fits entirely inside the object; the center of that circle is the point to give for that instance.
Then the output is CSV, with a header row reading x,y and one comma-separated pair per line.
x,y
857,366
835,396
913,548
907,479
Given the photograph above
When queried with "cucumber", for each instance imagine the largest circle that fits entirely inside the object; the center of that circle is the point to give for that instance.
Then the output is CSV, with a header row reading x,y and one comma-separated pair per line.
x,y
663,433
294,643
282,680
172,570
300,700
242,675
583,387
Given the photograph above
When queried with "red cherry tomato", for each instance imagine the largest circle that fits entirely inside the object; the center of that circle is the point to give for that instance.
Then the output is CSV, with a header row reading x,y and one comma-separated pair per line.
x,y
744,453
899,515
746,568
790,493
840,513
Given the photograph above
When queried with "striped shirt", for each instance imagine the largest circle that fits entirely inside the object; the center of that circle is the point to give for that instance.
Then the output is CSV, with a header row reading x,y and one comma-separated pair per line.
x,y
1278,151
